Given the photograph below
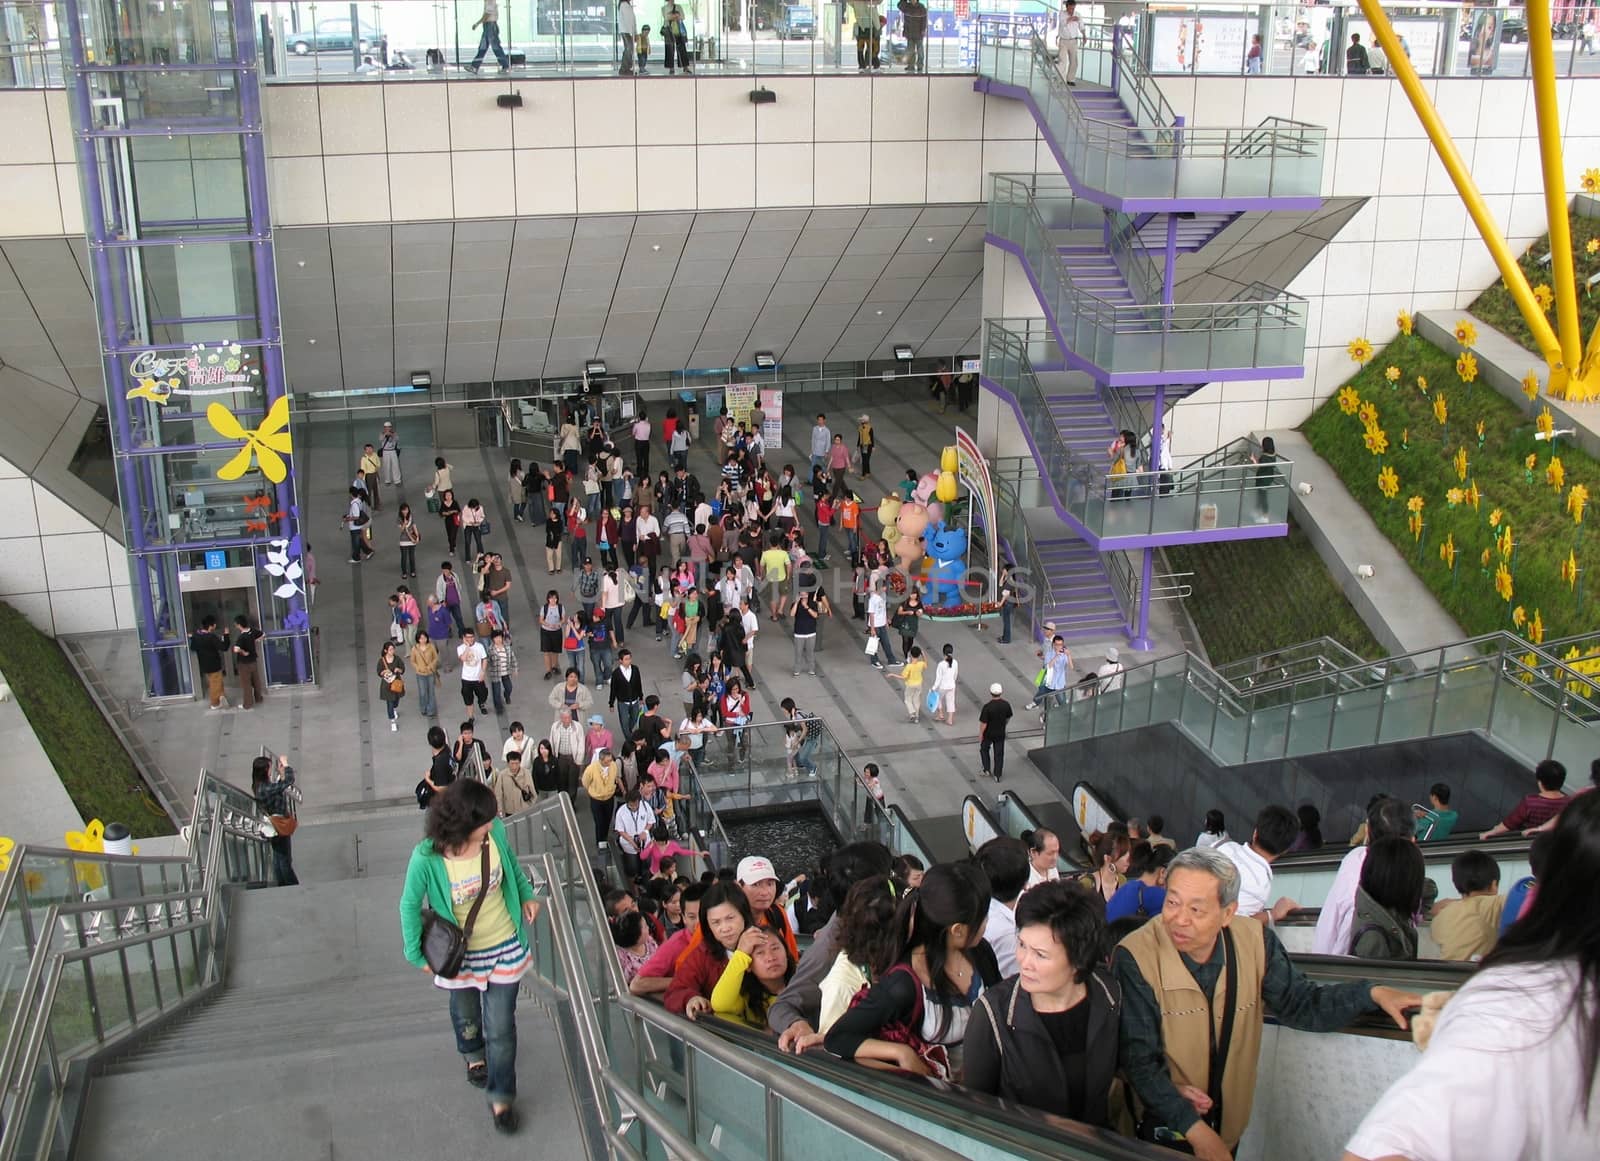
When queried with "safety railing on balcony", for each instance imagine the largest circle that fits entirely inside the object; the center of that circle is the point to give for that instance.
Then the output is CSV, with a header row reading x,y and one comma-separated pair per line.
x,y
1184,342
1527,700
1321,655
97,947
1150,159
1225,489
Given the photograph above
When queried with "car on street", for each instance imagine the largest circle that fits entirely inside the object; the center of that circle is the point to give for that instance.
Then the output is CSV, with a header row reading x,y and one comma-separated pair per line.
x,y
336,35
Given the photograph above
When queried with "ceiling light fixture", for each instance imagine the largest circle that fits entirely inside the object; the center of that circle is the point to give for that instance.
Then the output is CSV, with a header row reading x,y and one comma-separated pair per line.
x,y
421,380
765,361
902,352
595,368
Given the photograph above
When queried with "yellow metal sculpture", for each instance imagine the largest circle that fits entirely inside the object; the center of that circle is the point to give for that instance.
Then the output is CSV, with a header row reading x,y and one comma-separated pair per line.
x,y
1574,367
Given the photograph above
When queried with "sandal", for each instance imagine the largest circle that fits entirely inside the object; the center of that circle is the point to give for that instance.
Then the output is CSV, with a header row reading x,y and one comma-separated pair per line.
x,y
478,1074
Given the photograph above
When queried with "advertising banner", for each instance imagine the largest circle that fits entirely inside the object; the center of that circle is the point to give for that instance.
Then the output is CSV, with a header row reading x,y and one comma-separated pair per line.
x,y
739,398
973,473
1200,44
772,425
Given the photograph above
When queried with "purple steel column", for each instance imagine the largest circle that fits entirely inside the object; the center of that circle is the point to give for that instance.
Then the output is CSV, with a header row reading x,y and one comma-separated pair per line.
x,y
1169,268
1141,635
116,392
257,203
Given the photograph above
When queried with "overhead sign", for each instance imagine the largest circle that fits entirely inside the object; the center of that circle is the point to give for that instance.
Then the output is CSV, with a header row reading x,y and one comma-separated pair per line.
x,y
216,558
772,417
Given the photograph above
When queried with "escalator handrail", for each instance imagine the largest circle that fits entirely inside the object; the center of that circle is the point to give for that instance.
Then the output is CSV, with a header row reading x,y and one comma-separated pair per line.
x,y
1069,864
902,826
1331,855
984,813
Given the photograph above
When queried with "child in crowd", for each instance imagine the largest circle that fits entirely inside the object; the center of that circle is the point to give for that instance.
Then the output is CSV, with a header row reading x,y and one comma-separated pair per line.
x,y
642,48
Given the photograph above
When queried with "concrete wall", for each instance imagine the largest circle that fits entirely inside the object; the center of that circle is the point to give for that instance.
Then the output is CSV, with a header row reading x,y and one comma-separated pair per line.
x,y
57,569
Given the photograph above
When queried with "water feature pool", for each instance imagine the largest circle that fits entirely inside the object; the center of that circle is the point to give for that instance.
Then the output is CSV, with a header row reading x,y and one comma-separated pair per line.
x,y
794,839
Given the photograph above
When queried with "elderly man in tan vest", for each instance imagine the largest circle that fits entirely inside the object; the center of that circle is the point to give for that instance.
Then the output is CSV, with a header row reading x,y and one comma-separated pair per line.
x,y
1196,988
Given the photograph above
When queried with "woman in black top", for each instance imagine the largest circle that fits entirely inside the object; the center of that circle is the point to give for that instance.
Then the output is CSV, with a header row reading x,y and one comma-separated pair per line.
x,y
390,674
543,770
915,1017
1048,1037
907,619
1266,475
450,513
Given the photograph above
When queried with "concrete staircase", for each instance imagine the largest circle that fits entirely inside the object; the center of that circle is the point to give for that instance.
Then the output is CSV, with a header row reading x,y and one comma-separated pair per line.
x,y
324,1043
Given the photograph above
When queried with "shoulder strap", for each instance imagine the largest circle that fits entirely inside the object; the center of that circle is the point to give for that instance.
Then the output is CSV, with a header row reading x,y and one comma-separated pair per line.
x,y
1219,1044
483,889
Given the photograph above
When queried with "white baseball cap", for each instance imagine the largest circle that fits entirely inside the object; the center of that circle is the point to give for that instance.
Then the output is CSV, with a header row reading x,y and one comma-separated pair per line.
x,y
754,869
996,689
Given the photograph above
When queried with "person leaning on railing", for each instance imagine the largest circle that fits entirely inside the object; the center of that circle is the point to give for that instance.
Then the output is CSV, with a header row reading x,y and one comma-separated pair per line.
x,y
272,782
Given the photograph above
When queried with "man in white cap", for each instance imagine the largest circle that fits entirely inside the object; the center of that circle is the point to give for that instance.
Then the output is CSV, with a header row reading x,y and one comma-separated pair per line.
x,y
1110,673
389,455
992,719
759,880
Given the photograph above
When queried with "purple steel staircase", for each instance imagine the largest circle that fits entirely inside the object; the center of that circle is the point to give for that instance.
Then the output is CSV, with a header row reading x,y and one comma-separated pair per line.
x,y
1082,603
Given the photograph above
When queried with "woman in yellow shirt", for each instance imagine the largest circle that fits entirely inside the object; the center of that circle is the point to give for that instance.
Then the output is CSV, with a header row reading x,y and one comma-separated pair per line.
x,y
912,674
758,970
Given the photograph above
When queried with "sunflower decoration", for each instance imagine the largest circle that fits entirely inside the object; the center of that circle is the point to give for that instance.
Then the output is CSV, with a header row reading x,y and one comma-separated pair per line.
x,y
1536,629
1392,374
1388,482
1569,568
1359,350
1589,181
1519,617
1555,474
1502,583
1482,434
1405,439
1461,463
1494,518
1376,439
1349,400
1414,523
1592,247
1577,500
1447,552
1504,543
1404,321
1544,296
1367,413
1545,422
1441,410
1474,497
1530,385
1466,333
1467,366
1484,558
1415,504
1455,496
1422,384
1528,466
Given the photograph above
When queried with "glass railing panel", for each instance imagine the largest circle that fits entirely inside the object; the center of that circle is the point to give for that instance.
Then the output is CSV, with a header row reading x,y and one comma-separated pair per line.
x,y
1166,697
726,1120
1310,726
1355,719
1522,718
806,1134
1407,707
1269,734
1229,735
1574,743
1464,696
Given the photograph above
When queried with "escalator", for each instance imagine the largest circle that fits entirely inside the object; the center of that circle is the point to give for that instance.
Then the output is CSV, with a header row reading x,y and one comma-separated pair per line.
x,y
1181,738
933,840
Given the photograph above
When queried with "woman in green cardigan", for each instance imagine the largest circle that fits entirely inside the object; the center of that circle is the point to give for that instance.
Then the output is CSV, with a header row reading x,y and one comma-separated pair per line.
x,y
445,874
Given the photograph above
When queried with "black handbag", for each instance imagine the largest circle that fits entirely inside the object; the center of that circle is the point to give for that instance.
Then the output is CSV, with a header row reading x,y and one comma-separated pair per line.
x,y
444,945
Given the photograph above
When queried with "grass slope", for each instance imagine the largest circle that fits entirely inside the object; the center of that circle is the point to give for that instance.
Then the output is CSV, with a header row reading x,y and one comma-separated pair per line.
x,y
93,766
1543,531
1293,597
1495,307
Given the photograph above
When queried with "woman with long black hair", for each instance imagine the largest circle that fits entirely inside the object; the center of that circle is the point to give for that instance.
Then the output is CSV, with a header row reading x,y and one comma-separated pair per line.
x,y
915,1016
466,868
724,915
1529,1018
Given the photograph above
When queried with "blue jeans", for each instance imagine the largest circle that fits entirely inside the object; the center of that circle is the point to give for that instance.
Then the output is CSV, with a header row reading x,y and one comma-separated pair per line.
x,y
628,717
822,542
602,662
491,40
885,650
803,757
852,540
425,691
500,687
1005,623
485,1024
455,614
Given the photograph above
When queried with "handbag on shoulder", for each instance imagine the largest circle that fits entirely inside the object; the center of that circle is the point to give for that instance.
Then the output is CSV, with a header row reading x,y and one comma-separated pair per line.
x,y
444,945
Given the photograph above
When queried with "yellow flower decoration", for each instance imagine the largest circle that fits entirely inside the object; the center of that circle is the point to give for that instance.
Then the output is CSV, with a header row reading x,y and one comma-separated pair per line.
x,y
1473,495
1544,296
1461,463
1484,559
1480,431
1414,522
1589,182
1367,413
1359,350
1349,400
1494,518
1555,474
1533,458
1447,551
1536,629
267,444
1577,498
1504,543
1422,384
1388,483
1502,583
1467,366
1441,411
1466,334
1455,496
1569,569
1405,436
1404,321
1392,374
1519,616
6,847
1377,440
1545,422
1415,504
1592,246
1530,385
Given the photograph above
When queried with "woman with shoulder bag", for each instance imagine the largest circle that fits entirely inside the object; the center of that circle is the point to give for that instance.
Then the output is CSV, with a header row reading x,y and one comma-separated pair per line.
x,y
392,685
465,874
450,514
410,537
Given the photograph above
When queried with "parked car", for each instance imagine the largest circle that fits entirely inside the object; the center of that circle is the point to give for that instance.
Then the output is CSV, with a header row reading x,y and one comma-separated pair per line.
x,y
795,22
336,35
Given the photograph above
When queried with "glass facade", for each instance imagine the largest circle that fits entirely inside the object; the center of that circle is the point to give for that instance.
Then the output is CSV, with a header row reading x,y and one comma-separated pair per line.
x,y
166,112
